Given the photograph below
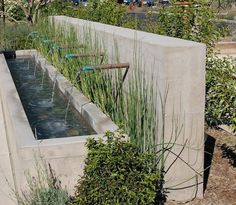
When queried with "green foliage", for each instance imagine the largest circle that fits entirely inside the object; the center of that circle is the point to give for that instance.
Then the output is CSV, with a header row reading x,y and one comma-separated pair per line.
x,y
107,11
117,173
130,22
14,11
59,7
193,22
43,189
220,92
14,36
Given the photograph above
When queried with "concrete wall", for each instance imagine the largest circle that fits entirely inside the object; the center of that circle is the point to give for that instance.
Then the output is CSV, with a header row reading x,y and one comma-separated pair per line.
x,y
178,67
6,174
19,148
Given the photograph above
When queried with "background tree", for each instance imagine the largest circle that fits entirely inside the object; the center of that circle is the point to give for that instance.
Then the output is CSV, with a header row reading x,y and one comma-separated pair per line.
x,y
2,9
25,9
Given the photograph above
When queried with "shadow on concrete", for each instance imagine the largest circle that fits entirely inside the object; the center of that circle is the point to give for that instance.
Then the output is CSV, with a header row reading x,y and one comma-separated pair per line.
x,y
229,152
9,54
208,150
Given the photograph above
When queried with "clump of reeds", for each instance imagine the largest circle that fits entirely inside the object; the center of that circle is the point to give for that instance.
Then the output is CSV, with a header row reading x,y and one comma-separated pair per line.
x,y
135,109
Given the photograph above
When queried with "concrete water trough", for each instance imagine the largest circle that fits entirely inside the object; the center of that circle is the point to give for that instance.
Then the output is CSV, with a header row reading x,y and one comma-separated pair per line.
x,y
65,154
173,65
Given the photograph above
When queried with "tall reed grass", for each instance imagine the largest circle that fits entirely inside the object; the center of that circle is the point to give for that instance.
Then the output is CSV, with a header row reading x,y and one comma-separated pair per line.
x,y
135,110
13,36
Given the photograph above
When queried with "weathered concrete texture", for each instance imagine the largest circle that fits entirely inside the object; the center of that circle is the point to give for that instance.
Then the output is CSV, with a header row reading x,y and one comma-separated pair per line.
x,y
6,175
20,149
178,69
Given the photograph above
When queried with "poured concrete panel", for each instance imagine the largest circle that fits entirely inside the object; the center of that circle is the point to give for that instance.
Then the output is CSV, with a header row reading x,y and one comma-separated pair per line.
x,y
178,68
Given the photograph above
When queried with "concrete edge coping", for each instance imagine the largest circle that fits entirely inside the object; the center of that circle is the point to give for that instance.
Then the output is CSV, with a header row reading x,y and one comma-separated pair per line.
x,y
27,139
13,112
137,35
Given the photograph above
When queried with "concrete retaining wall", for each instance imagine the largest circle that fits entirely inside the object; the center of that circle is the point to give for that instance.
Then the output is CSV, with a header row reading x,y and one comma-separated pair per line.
x,y
178,67
6,174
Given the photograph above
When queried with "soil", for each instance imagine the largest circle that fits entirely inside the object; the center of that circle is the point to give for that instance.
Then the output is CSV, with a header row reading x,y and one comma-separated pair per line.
x,y
221,186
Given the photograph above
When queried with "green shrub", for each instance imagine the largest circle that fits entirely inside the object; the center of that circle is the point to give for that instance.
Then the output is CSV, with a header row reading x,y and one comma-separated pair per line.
x,y
58,7
192,22
14,11
107,11
220,92
117,173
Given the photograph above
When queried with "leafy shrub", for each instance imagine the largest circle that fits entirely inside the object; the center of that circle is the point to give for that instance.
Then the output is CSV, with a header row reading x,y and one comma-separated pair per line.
x,y
117,173
220,92
107,11
193,22
58,7
13,9
43,189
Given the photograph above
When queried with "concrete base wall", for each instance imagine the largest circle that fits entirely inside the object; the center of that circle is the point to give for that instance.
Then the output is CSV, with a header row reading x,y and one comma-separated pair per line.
x,y
7,196
178,69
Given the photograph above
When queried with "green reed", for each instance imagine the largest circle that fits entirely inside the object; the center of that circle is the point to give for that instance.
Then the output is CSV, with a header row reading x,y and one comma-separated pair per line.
x,y
135,110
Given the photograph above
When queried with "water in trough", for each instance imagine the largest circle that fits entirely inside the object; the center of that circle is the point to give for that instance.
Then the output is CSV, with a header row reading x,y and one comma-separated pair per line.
x,y
48,111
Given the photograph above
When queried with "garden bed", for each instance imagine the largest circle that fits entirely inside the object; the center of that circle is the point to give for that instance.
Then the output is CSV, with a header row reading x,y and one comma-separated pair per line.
x,y
221,186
